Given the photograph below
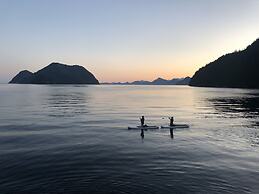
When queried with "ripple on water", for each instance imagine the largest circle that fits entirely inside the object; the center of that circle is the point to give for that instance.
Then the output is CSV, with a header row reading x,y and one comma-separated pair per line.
x,y
75,140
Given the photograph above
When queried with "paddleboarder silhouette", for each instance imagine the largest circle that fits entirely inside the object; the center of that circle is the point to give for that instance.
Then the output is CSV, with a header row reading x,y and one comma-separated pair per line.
x,y
142,121
171,121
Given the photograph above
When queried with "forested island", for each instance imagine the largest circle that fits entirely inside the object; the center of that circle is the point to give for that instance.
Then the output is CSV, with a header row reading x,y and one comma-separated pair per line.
x,y
56,73
235,70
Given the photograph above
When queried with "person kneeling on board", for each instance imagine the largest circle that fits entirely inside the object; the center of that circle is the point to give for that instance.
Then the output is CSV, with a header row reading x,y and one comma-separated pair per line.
x,y
142,121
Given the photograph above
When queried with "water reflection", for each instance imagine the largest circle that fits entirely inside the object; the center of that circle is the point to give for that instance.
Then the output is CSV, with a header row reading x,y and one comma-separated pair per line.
x,y
95,153
172,133
142,134
61,103
245,106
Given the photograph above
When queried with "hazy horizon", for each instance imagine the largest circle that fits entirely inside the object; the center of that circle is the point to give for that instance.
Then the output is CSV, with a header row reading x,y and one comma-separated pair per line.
x,y
120,41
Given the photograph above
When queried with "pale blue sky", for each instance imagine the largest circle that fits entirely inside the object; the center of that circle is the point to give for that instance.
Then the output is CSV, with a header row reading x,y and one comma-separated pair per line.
x,y
123,40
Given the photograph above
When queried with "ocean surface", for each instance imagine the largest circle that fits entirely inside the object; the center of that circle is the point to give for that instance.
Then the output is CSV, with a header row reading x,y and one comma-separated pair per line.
x,y
70,139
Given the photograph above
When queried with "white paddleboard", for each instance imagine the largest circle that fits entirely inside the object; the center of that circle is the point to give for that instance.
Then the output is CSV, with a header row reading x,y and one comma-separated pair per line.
x,y
143,127
175,126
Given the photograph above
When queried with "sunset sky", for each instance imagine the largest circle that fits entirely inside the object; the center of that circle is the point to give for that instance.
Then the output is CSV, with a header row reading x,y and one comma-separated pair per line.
x,y
123,40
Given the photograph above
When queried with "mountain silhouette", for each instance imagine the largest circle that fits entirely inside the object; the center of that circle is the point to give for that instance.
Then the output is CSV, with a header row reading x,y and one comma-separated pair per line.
x,y
24,77
236,70
56,73
158,81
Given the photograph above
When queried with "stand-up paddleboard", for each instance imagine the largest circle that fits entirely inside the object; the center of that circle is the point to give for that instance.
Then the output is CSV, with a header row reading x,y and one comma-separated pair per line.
x,y
143,127
175,126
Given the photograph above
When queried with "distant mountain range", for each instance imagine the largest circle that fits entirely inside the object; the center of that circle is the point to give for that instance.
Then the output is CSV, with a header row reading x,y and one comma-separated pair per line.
x,y
158,81
56,73
235,70
239,69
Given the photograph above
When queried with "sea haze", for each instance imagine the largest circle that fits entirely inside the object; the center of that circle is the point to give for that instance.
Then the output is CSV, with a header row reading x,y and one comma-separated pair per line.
x,y
74,139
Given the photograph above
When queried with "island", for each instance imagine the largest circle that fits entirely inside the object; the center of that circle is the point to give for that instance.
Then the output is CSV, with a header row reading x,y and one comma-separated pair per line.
x,y
239,69
56,73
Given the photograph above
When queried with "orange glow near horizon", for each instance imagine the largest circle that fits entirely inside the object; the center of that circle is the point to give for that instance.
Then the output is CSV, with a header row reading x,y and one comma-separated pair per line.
x,y
124,41
165,65
149,71
128,67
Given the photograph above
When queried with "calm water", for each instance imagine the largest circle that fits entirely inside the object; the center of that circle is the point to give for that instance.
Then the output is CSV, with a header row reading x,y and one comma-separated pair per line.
x,y
74,139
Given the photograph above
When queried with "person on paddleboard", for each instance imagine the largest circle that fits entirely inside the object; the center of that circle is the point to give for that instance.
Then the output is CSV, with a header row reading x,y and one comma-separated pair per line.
x,y
171,121
142,121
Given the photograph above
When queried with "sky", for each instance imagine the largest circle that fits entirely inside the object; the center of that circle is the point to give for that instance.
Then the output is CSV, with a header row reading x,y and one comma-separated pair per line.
x,y
123,40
